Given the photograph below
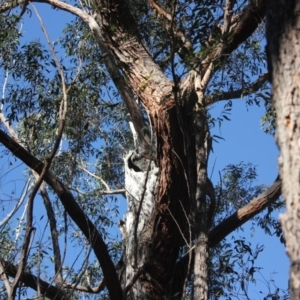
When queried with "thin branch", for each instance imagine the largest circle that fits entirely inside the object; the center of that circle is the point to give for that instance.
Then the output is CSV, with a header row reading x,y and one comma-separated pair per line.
x,y
177,33
237,94
95,176
108,191
19,203
160,10
48,159
74,211
4,277
54,236
93,290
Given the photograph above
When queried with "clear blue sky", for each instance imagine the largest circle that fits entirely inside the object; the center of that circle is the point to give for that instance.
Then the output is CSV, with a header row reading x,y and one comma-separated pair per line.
x,y
244,141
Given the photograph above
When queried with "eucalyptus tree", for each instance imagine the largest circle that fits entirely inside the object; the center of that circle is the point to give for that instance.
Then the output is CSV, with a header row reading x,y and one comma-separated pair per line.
x,y
161,64
283,34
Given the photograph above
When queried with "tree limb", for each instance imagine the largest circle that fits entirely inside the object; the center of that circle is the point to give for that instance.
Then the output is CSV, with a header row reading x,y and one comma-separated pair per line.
x,y
179,35
251,17
252,88
74,211
88,289
54,236
4,277
245,213
237,219
30,280
247,22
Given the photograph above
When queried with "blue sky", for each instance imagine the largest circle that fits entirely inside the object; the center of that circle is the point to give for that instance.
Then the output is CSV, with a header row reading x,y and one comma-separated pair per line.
x,y
244,141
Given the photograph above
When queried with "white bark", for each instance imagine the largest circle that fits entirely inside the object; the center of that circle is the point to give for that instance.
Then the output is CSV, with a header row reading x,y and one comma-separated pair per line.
x,y
141,187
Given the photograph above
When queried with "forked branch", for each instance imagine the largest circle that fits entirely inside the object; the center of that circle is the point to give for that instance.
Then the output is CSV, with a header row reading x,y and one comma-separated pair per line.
x,y
30,280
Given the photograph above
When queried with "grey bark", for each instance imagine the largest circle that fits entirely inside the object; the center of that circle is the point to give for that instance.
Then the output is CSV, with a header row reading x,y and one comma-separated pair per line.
x,y
283,33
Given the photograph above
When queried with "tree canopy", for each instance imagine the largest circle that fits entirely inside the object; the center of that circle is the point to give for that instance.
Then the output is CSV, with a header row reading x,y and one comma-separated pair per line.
x,y
118,110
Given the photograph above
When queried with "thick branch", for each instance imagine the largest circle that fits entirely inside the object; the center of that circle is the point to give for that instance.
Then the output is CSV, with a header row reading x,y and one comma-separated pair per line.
x,y
74,211
30,280
248,21
252,16
245,213
236,220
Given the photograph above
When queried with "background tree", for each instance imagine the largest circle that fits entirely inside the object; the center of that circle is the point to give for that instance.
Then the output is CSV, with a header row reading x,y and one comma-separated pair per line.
x,y
283,35
161,65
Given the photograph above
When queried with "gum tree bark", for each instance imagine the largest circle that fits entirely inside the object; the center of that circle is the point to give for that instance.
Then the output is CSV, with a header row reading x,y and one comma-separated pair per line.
x,y
283,23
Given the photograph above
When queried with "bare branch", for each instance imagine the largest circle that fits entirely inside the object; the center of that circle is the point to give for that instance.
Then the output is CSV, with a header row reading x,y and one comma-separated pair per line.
x,y
74,211
108,191
245,213
62,117
19,203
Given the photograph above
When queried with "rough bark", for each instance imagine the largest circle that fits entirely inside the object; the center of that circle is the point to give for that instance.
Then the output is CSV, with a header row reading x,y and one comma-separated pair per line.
x,y
166,183
283,34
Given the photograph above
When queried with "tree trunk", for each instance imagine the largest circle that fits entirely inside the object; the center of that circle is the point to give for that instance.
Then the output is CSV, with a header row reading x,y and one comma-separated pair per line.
x,y
283,34
158,211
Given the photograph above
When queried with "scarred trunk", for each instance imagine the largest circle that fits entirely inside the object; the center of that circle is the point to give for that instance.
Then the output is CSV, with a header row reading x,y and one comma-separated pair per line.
x,y
158,210
283,49
165,176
